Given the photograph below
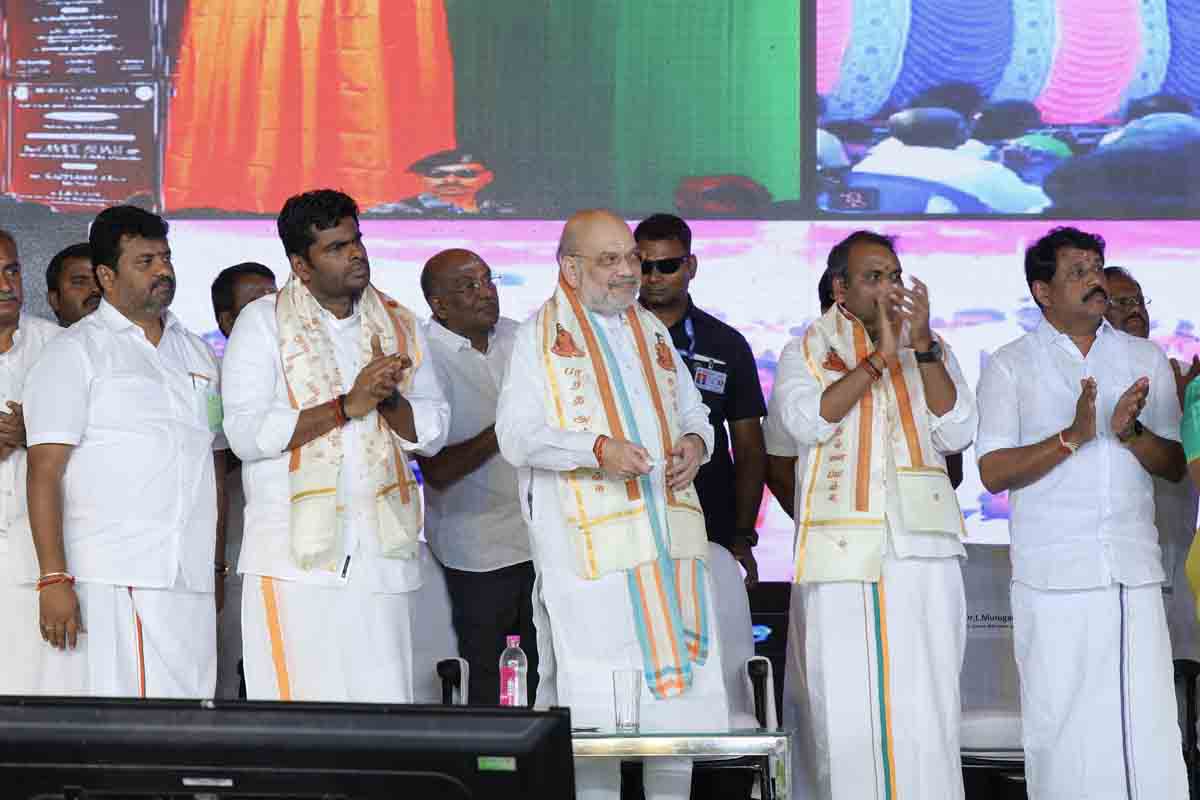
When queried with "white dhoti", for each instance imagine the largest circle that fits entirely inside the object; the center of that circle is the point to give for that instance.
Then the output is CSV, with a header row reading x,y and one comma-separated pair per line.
x,y
19,631
597,635
878,685
593,633
328,643
137,643
1097,694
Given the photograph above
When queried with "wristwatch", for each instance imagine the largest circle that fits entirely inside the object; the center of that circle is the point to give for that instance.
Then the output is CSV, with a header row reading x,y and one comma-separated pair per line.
x,y
930,356
748,534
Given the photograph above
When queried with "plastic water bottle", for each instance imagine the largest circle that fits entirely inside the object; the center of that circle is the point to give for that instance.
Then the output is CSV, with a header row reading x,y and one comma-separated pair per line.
x,y
514,674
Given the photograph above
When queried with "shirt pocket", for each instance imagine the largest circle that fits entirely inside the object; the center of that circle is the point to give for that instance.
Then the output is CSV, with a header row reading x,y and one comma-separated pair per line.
x,y
205,402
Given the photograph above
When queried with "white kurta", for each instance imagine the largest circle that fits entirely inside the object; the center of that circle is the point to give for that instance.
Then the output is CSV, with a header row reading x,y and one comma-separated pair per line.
x,y
316,635
591,627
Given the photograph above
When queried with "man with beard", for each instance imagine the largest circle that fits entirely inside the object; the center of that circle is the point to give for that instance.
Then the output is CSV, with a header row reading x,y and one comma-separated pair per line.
x,y
71,284
123,413
474,524
1175,502
1076,419
879,401
22,339
328,387
724,370
234,288
606,428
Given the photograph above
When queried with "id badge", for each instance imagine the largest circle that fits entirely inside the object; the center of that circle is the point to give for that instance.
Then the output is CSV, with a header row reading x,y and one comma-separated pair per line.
x,y
710,380
216,411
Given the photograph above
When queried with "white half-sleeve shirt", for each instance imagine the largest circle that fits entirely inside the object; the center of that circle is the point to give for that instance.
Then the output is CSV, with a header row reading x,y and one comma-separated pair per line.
x,y
139,491
475,524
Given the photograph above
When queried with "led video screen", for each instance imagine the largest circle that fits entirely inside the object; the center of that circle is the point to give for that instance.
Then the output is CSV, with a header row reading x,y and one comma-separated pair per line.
x,y
1017,107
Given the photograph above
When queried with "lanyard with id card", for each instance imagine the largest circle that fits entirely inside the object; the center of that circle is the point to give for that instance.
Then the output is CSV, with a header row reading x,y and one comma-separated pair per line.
x,y
710,374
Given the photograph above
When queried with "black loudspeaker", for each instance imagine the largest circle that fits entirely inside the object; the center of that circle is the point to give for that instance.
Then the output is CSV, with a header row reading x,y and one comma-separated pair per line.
x,y
769,603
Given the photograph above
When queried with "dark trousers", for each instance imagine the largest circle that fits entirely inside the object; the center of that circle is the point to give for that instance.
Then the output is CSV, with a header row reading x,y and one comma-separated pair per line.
x,y
486,607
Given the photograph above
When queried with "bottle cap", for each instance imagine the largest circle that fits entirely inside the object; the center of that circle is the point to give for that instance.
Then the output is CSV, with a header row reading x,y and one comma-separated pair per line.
x,y
513,641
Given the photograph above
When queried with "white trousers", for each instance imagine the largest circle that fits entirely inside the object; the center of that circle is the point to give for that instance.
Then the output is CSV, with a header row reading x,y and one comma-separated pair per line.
x,y
137,643
1097,694
877,684
327,643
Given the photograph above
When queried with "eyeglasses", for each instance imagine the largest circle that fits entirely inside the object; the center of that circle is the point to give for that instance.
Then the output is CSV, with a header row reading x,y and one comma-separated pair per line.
x,y
473,286
665,266
452,173
610,260
1129,302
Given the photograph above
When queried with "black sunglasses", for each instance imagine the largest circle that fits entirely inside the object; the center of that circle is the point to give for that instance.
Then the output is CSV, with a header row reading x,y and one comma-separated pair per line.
x,y
665,266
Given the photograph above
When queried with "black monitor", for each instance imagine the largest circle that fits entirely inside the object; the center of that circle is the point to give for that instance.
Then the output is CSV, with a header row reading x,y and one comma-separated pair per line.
x,y
93,748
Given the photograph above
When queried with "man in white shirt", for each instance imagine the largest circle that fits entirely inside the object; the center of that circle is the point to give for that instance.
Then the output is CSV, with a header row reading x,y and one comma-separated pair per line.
x,y
473,523
22,338
880,401
234,288
123,415
328,387
606,428
1175,502
1076,418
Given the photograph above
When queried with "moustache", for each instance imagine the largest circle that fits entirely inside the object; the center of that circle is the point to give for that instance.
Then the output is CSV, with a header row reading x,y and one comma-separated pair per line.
x,y
7,297
1098,290
631,283
1136,315
164,281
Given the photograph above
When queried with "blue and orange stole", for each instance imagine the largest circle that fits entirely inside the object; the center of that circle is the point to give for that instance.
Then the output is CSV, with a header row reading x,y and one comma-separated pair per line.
x,y
652,534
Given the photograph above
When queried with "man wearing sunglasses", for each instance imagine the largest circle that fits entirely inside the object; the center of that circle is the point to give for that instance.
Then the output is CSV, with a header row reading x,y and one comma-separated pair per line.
x,y
455,183
724,370
1175,504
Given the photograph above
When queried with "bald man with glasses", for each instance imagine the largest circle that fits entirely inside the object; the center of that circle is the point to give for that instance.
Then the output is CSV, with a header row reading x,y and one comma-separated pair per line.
x,y
723,368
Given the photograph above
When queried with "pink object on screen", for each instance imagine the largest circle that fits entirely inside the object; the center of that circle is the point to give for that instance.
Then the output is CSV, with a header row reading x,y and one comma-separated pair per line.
x,y
834,20
1098,51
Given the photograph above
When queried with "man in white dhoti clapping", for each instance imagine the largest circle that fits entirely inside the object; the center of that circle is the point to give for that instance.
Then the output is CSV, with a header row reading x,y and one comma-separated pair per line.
x,y
1076,419
880,401
328,388
607,430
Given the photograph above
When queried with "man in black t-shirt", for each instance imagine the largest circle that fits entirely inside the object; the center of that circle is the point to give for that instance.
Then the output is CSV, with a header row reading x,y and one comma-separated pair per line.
x,y
723,367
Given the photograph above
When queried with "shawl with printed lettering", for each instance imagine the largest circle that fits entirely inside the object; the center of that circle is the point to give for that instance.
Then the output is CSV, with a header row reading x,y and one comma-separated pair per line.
x,y
841,533
311,371
654,535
